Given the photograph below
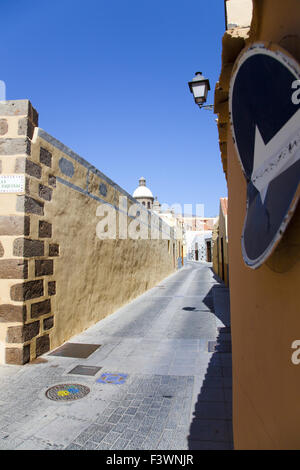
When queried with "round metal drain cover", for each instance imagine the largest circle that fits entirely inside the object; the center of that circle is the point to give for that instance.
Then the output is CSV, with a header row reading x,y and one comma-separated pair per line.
x,y
67,392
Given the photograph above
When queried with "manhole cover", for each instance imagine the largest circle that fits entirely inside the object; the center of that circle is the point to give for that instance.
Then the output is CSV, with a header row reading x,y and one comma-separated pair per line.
x,y
67,392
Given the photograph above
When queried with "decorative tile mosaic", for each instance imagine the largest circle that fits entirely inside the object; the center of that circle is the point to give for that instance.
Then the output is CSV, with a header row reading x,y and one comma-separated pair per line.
x,y
110,378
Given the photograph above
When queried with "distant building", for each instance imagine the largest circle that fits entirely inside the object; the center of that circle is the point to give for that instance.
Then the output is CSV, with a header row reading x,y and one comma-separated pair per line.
x,y
167,221
198,237
194,234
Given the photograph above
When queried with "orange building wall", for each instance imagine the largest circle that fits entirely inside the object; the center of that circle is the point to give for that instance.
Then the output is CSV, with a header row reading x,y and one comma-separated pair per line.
x,y
223,234
265,320
265,303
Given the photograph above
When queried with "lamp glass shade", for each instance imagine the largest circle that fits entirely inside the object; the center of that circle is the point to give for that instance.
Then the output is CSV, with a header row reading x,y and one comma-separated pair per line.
x,y
200,92
199,86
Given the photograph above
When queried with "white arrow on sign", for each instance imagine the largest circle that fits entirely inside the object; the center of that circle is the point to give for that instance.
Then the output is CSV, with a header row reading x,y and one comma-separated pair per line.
x,y
282,151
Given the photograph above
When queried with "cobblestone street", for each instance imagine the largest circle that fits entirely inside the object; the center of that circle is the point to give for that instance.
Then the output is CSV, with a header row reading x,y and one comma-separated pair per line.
x,y
172,349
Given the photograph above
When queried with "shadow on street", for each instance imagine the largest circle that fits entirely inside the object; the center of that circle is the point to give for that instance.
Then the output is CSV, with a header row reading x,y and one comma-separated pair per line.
x,y
211,427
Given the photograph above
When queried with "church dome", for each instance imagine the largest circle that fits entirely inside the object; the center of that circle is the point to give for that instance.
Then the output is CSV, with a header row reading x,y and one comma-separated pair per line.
x,y
142,191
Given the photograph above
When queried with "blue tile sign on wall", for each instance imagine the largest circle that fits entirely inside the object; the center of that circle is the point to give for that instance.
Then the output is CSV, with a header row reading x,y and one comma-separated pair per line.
x,y
109,378
103,189
66,167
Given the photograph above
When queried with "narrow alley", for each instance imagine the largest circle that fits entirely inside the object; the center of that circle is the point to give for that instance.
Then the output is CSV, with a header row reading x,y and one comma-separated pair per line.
x,y
170,353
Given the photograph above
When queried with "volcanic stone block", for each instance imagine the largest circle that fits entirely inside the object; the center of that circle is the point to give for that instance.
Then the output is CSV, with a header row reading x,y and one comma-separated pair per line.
x,y
20,165
13,269
42,345
12,313
15,146
48,323
51,288
19,108
18,356
45,229
45,192
15,334
14,225
27,290
26,225
24,165
23,333
27,247
52,181
31,330
27,185
53,249
40,308
45,157
30,205
22,126
33,169
3,126
33,115
43,267
25,127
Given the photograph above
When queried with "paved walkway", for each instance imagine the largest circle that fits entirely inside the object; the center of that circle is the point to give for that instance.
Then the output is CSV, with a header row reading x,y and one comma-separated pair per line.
x,y
176,393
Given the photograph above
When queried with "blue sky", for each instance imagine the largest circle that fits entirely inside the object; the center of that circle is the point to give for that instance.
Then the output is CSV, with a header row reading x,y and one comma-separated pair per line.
x,y
109,79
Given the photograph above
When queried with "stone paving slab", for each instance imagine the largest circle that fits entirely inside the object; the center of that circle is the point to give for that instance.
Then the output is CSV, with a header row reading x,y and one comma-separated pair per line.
x,y
176,395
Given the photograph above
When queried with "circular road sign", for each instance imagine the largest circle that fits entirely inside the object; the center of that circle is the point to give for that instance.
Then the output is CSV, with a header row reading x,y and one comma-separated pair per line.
x,y
264,105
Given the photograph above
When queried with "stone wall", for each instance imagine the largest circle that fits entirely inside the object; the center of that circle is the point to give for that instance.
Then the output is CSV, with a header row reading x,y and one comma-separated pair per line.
x,y
57,277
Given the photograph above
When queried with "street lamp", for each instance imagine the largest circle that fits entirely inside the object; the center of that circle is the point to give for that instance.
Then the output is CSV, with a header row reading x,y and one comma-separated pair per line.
x,y
199,86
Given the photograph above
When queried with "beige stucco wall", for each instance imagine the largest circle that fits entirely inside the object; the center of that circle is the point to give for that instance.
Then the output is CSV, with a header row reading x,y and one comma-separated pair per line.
x,y
72,277
265,302
238,12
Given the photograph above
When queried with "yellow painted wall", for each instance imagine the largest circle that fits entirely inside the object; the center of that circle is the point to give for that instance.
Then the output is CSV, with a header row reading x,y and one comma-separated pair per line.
x,y
265,320
94,277
220,266
223,240
77,279
215,253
